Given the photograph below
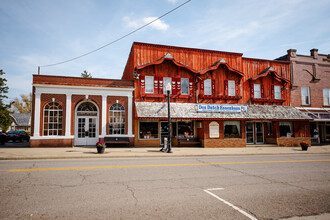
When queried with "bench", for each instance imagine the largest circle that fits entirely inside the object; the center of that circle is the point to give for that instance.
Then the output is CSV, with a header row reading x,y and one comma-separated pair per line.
x,y
188,141
116,140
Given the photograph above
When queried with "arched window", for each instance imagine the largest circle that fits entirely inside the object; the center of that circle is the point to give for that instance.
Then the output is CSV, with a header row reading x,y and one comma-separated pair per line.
x,y
53,119
117,119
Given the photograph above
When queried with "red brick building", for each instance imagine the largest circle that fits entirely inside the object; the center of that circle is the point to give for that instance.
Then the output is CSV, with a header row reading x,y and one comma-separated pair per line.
x,y
310,90
218,99
73,111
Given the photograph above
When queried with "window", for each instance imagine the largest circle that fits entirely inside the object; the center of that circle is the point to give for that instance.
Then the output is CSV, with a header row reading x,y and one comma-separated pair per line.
x,y
232,129
257,92
185,86
53,119
117,119
285,129
207,87
269,129
277,90
305,97
148,130
167,80
231,87
326,96
149,84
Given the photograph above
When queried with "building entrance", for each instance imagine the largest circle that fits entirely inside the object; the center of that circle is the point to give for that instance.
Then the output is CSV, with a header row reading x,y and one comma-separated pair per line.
x,y
86,126
254,133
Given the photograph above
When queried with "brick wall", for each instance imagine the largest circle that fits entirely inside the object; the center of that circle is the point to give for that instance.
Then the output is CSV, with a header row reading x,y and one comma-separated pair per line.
x,y
51,143
218,143
292,142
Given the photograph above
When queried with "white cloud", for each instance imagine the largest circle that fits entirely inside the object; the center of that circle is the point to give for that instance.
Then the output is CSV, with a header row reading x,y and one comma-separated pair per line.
x,y
173,1
158,24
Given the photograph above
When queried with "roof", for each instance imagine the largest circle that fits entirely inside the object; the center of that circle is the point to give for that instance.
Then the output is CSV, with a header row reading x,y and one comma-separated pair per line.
x,y
189,111
167,56
268,71
21,119
222,62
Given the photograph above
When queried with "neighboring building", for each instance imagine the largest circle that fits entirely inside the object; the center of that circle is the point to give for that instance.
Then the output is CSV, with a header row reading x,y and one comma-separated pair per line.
x,y
310,77
218,99
73,111
21,121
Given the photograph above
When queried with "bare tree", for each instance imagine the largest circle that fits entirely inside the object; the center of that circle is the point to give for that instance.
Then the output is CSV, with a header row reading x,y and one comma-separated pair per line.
x,y
23,105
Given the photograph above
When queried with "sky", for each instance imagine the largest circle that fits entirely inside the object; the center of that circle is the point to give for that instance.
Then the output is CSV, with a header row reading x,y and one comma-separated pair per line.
x,y
41,32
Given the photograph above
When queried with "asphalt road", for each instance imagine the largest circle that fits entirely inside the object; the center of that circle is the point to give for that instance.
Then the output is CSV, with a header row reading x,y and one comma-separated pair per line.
x,y
242,187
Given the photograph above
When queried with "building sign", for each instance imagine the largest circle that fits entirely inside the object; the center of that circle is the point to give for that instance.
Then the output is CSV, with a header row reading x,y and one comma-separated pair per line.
x,y
222,108
214,130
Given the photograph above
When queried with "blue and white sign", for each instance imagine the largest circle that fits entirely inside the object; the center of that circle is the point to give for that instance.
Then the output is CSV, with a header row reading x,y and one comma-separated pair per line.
x,y
222,108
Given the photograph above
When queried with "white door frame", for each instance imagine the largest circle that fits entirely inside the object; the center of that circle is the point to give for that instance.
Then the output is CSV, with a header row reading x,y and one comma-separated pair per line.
x,y
86,140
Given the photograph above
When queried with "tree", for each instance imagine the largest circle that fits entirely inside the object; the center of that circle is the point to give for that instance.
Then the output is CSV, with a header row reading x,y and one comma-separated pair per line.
x,y
86,74
4,112
23,105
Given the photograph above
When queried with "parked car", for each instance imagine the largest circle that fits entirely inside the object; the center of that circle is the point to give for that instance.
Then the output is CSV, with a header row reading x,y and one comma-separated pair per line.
x,y
3,138
18,136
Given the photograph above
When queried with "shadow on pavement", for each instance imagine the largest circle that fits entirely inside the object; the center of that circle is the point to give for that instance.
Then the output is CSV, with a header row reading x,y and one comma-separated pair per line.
x,y
15,145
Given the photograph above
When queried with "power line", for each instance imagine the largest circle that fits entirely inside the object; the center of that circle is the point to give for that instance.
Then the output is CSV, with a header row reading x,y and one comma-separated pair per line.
x,y
112,42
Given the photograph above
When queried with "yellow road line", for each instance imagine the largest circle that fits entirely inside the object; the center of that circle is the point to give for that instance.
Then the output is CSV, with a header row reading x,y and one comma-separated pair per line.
x,y
165,165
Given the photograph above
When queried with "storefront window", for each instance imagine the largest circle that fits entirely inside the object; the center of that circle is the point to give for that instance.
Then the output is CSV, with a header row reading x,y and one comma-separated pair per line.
x,y
285,129
183,128
232,129
148,130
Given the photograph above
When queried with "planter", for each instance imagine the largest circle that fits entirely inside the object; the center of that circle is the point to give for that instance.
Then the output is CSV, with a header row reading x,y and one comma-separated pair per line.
x,y
100,150
304,147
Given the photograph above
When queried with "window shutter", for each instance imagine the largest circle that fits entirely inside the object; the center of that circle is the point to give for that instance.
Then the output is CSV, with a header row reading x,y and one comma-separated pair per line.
x,y
273,94
191,86
252,90
262,90
156,82
142,84
213,86
160,85
173,86
237,87
178,86
202,87
226,87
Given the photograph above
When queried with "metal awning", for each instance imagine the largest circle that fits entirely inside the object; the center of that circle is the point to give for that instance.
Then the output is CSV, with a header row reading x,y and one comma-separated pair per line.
x,y
153,110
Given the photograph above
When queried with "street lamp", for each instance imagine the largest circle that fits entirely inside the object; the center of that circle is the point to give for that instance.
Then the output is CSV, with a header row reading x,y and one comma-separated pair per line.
x,y
168,90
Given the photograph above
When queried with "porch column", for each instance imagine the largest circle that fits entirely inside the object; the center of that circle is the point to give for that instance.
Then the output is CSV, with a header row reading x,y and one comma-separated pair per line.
x,y
68,115
130,116
104,115
36,132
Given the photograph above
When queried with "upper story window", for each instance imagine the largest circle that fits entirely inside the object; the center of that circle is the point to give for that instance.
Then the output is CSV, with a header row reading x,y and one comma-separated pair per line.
x,y
207,87
326,96
257,91
277,92
184,86
117,119
166,81
149,84
53,119
231,88
305,96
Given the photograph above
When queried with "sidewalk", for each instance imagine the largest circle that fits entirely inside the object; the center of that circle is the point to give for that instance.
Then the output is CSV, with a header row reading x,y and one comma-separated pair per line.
x,y
26,153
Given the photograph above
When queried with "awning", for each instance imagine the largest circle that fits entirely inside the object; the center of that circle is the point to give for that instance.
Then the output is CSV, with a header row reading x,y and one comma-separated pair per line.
x,y
154,110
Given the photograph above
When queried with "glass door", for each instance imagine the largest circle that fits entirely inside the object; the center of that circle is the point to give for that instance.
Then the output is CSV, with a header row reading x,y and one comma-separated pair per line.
x,y
86,131
259,133
249,131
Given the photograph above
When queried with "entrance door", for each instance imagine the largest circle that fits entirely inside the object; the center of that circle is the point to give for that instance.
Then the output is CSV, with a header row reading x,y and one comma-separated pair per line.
x,y
86,131
163,131
259,133
249,132
86,124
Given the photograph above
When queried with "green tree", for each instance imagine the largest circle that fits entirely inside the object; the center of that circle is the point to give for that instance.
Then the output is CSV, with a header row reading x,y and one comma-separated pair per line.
x,y
23,105
86,74
4,112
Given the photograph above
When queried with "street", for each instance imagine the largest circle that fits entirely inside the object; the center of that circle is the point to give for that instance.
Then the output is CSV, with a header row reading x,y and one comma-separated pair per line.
x,y
221,187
